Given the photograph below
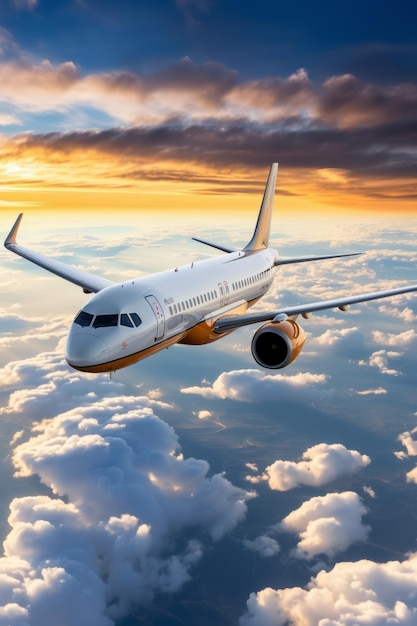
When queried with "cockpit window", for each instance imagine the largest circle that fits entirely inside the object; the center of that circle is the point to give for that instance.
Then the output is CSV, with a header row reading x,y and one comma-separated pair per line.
x,y
83,318
103,321
136,319
125,320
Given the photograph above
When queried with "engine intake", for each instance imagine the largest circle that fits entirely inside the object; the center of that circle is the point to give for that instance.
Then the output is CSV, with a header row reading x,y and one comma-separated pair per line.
x,y
277,345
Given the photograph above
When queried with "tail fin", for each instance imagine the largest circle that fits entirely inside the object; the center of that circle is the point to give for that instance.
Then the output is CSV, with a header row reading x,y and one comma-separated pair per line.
x,y
260,238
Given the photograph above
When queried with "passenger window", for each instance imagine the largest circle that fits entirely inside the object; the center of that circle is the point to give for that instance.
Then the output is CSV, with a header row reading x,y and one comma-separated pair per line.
x,y
104,321
83,319
125,320
136,319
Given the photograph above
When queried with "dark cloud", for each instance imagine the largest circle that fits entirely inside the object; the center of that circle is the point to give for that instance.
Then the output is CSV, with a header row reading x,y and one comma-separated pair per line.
x,y
347,101
383,150
211,80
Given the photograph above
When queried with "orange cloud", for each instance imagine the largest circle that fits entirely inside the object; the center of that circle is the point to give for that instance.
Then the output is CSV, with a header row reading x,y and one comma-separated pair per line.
x,y
197,130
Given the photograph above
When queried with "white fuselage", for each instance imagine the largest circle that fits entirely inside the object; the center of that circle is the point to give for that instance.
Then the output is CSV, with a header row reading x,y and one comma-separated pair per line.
x,y
128,321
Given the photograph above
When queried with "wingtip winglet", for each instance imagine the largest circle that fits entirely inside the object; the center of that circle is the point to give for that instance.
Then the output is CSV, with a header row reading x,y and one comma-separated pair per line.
x,y
11,237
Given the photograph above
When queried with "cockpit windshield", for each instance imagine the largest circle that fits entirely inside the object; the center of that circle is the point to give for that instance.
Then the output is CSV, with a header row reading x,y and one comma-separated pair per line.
x,y
103,321
83,318
110,319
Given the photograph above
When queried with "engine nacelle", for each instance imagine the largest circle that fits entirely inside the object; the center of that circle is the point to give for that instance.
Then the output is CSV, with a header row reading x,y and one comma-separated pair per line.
x,y
277,345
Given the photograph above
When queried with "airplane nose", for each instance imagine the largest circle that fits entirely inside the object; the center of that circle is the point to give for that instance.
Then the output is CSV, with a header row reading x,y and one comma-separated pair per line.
x,y
85,350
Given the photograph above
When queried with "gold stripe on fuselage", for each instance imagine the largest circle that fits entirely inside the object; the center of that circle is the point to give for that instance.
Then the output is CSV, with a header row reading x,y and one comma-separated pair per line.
x,y
198,335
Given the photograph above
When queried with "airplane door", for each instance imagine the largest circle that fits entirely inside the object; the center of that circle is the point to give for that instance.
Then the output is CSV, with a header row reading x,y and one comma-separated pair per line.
x,y
221,292
159,314
224,293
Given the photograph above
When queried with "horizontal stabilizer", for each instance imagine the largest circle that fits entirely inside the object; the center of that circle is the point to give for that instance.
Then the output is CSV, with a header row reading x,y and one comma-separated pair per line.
x,y
304,259
214,245
89,282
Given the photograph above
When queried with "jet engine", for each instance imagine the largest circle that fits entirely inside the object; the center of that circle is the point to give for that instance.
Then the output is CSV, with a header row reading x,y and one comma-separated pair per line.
x,y
276,345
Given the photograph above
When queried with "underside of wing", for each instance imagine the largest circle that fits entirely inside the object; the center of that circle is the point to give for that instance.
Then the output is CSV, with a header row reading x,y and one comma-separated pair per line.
x,y
89,282
228,323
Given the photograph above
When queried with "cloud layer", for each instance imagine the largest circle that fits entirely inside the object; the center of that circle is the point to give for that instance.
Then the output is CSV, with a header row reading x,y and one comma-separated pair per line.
x,y
130,517
194,121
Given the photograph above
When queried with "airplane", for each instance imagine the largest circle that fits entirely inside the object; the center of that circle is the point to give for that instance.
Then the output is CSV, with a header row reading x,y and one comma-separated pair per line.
x,y
198,303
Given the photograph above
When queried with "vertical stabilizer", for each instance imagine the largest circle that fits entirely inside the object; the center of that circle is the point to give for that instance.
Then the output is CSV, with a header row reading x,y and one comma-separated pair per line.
x,y
260,238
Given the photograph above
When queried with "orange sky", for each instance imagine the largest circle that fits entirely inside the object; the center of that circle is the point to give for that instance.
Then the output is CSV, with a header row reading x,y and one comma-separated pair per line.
x,y
89,183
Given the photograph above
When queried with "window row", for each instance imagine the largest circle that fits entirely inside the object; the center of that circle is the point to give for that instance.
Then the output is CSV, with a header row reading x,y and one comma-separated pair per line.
x,y
251,280
85,319
185,305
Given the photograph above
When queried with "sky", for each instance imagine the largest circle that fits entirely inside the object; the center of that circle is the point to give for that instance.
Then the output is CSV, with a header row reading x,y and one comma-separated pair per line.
x,y
184,104
195,487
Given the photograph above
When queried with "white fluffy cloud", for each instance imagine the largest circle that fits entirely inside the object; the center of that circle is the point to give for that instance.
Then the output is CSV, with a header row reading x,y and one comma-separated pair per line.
x,y
379,359
327,524
129,519
405,339
407,440
251,384
363,593
410,444
46,381
320,464
341,337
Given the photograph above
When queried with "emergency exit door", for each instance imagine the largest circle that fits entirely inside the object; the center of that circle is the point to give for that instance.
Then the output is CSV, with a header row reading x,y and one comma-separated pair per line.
x,y
160,317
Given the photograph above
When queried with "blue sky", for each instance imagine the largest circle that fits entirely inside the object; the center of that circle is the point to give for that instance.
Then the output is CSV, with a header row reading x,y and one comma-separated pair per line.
x,y
256,39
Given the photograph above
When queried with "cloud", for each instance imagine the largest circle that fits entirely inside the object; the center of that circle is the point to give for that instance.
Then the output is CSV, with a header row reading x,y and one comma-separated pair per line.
x,y
379,359
349,102
170,114
6,119
44,382
130,517
320,464
410,444
252,384
334,336
379,391
405,339
274,97
405,314
327,524
265,546
360,593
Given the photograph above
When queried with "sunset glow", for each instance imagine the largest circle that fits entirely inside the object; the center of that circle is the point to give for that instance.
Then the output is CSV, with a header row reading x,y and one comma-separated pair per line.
x,y
173,136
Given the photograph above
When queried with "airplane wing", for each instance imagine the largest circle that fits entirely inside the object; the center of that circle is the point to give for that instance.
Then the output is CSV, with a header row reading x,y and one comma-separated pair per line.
x,y
89,282
231,322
